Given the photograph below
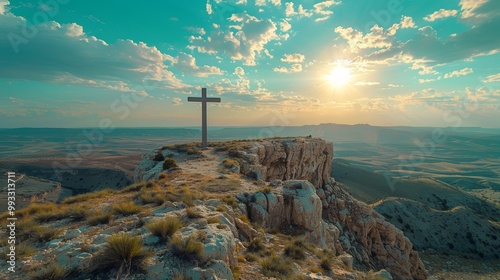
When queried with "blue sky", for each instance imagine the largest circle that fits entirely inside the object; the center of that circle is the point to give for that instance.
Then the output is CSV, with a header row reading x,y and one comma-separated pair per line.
x,y
67,63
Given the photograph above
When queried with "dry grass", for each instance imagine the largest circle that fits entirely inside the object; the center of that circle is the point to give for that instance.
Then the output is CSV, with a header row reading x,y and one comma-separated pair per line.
x,y
53,271
231,201
164,228
169,163
156,198
296,249
213,220
99,218
122,252
75,213
277,266
45,233
88,196
192,213
230,163
134,187
256,245
190,249
127,208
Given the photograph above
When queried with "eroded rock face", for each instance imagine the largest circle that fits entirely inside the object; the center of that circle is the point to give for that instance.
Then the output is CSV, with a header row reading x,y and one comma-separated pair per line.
x,y
370,238
295,205
292,159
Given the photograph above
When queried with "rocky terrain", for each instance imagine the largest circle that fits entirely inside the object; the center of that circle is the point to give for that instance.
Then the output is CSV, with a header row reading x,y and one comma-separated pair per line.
x,y
236,210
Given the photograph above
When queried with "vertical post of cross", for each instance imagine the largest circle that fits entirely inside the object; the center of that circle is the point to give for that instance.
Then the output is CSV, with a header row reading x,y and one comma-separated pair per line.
x,y
204,126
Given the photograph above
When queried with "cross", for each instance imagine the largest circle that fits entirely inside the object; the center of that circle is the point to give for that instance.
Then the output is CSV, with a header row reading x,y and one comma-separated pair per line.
x,y
203,99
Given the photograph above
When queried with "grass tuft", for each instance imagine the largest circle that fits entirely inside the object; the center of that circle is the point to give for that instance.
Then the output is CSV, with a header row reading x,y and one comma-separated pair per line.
x,y
99,218
51,272
231,201
127,208
169,163
122,252
88,196
256,245
164,228
277,266
192,213
190,249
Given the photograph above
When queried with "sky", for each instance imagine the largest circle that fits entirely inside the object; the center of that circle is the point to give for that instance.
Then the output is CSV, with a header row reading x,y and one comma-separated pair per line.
x,y
67,63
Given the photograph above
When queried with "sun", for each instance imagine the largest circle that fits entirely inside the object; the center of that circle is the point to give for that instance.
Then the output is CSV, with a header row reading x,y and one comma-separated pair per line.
x,y
339,76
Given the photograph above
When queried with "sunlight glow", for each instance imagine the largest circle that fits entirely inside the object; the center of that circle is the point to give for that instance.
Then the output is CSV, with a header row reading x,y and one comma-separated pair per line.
x,y
339,76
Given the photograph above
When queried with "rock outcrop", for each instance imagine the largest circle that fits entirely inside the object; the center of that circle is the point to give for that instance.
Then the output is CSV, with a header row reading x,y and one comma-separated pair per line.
x,y
291,159
373,241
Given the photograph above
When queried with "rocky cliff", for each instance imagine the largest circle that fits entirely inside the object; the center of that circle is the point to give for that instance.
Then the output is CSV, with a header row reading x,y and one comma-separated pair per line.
x,y
208,215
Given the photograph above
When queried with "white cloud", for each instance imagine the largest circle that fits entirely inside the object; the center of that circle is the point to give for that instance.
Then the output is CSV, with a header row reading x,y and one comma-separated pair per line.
x,y
209,8
463,72
423,81
319,8
294,68
187,64
356,40
65,54
322,19
492,78
3,6
364,84
479,11
293,58
442,13
276,2
176,101
239,71
407,22
260,2
285,25
303,12
250,39
289,10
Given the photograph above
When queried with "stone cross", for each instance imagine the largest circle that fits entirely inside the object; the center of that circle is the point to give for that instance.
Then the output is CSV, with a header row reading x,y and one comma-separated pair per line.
x,y
203,99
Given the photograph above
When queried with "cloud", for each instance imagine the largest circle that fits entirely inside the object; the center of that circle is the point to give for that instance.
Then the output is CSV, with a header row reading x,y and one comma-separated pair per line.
x,y
423,81
363,84
442,13
65,54
176,101
209,8
250,39
263,2
407,22
187,64
3,6
239,71
294,68
301,12
492,78
285,25
463,72
319,8
356,40
479,11
293,58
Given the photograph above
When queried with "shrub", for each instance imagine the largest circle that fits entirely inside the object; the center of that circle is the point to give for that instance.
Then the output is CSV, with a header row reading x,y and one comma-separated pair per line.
x,y
277,266
44,233
190,249
128,208
296,249
164,228
213,220
134,187
251,257
256,245
51,272
192,213
152,198
230,163
169,163
244,219
122,252
159,156
231,201
326,263
98,218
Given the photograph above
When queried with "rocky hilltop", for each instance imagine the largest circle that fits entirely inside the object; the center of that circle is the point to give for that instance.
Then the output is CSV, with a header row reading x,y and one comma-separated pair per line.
x,y
236,210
